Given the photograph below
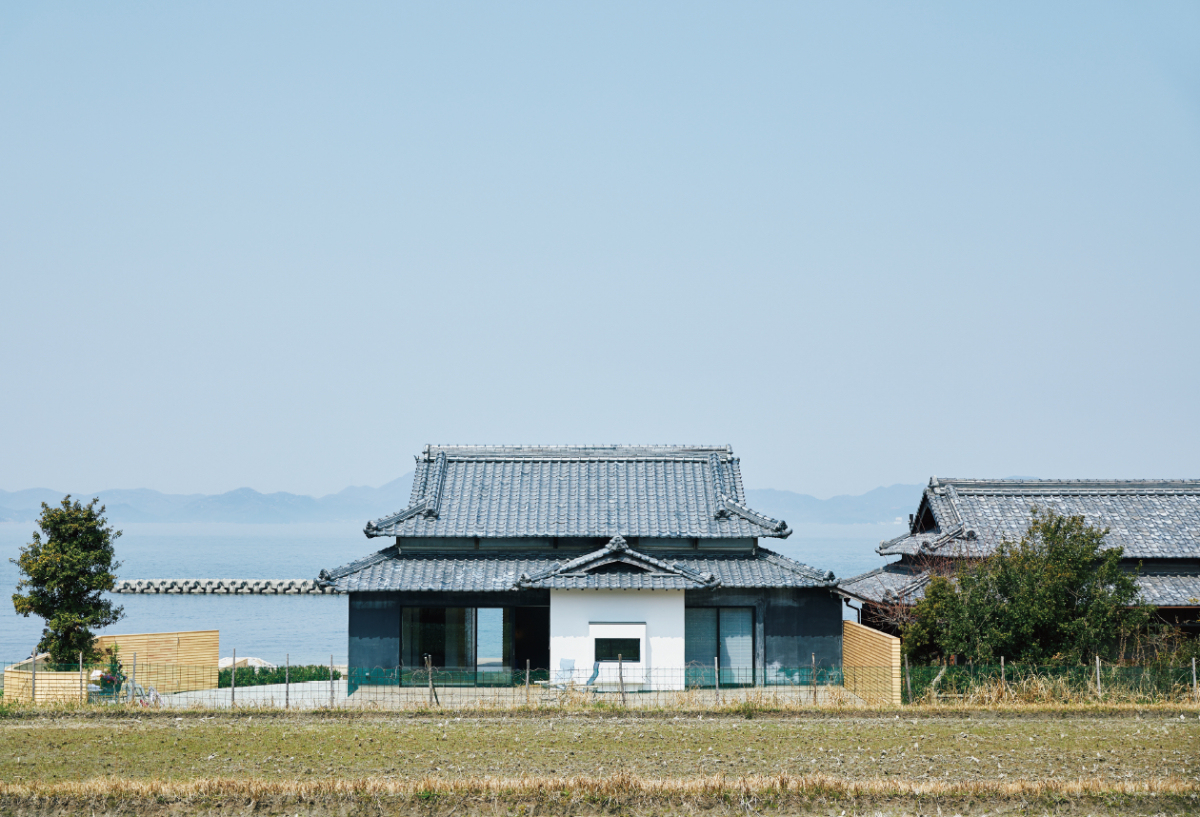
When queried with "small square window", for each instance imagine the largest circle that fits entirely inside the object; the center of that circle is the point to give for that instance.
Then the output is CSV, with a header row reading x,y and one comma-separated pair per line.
x,y
630,649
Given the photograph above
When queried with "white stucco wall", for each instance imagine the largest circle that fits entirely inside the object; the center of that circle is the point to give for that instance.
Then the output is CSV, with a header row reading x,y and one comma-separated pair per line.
x,y
578,617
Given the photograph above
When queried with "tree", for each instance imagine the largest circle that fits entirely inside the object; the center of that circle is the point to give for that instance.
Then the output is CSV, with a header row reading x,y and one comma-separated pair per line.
x,y
1056,596
64,576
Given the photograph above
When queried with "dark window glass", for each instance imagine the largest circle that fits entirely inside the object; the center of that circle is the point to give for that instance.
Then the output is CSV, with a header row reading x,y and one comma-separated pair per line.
x,y
446,634
374,632
630,649
700,640
721,634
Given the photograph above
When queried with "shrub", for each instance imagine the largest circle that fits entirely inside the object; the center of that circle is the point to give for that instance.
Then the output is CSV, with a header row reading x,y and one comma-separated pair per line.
x,y
261,676
1058,596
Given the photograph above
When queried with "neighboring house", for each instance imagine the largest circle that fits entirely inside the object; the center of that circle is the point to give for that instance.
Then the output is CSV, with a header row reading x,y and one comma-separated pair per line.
x,y
1157,522
566,557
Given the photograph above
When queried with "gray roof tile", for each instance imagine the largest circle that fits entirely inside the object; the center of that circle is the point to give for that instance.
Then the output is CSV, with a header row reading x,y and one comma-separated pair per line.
x,y
896,582
1150,519
637,571
578,491
480,571
1171,589
905,583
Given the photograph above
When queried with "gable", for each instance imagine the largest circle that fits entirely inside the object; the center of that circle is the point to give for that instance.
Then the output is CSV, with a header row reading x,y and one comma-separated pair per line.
x,y
619,566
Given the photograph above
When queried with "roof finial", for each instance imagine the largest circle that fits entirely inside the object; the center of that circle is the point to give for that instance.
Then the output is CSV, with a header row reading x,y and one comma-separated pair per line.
x,y
618,543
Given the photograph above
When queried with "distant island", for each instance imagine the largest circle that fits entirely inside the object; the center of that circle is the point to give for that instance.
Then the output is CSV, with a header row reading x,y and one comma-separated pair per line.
x,y
360,503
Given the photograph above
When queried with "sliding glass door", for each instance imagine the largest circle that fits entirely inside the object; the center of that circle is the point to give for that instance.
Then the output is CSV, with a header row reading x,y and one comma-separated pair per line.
x,y
464,645
493,645
443,635
722,636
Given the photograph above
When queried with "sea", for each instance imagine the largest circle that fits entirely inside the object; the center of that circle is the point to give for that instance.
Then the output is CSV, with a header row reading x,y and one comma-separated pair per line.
x,y
302,629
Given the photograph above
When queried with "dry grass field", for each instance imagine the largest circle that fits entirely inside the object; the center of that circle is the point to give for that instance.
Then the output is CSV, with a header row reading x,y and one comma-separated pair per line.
x,y
923,761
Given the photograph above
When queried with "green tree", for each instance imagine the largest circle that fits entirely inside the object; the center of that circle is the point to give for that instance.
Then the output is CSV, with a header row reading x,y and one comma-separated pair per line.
x,y
63,576
933,616
1059,595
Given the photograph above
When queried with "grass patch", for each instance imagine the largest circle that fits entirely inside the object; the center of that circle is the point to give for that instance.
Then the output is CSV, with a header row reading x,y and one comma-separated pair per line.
x,y
963,746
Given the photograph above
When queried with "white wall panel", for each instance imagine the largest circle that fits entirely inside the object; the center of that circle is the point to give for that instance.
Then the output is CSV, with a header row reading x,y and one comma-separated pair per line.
x,y
578,617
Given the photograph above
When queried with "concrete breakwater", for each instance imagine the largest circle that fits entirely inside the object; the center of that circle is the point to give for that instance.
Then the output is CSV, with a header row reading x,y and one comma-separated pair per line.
x,y
226,587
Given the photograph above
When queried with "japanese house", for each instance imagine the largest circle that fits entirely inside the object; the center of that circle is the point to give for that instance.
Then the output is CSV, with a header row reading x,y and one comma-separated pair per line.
x,y
568,558
1156,522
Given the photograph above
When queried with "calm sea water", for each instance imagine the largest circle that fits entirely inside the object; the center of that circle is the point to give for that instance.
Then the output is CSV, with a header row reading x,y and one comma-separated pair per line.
x,y
308,628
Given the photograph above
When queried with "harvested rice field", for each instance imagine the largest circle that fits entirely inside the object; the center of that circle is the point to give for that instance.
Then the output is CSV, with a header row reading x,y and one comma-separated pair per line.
x,y
920,762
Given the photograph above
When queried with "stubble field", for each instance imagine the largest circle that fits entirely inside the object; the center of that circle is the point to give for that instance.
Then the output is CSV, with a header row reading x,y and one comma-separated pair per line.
x,y
1129,761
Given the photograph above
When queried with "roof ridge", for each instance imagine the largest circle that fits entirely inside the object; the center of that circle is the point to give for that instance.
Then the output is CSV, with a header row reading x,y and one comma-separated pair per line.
x,y
556,452
1054,486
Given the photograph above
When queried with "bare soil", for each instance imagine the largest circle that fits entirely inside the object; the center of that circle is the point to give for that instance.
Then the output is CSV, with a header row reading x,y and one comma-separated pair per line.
x,y
911,763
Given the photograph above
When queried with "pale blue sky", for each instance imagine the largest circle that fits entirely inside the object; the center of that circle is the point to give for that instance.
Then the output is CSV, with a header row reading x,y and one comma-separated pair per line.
x,y
284,245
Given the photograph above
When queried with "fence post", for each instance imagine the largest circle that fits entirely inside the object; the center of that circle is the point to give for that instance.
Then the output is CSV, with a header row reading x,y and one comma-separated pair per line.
x,y
233,681
1195,690
429,672
133,678
1099,691
717,679
814,678
527,682
287,680
908,678
33,679
81,698
331,681
1003,679
621,679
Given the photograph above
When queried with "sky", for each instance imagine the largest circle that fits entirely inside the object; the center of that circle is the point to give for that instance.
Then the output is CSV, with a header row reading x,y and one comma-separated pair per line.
x,y
284,245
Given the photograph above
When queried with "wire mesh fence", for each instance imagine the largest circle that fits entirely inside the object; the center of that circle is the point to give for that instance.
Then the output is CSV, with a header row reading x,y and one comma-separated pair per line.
x,y
1022,683
332,687
693,688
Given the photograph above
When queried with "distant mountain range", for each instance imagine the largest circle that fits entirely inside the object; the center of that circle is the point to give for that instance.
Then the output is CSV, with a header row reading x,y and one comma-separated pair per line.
x,y
889,504
358,504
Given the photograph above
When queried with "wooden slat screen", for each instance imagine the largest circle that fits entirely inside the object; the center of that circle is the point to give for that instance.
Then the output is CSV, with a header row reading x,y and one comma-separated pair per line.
x,y
169,662
871,663
52,687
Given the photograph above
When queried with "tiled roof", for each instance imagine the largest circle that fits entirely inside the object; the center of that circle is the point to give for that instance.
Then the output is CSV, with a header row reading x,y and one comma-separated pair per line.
x,y
479,571
1150,519
1171,589
906,584
578,491
616,566
896,582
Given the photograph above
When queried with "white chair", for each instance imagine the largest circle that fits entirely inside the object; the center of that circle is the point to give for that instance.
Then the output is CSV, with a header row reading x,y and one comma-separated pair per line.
x,y
566,672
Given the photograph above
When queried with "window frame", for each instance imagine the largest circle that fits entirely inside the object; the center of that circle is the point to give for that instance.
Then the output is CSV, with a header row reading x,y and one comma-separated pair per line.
x,y
702,675
625,657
